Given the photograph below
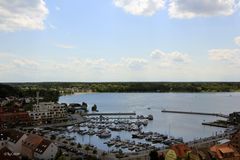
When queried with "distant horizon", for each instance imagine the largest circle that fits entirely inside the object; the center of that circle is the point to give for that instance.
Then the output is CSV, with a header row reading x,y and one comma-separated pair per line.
x,y
125,82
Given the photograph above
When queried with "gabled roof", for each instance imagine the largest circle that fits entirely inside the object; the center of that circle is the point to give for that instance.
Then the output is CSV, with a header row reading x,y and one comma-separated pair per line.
x,y
32,141
219,150
14,136
43,146
6,154
226,150
180,149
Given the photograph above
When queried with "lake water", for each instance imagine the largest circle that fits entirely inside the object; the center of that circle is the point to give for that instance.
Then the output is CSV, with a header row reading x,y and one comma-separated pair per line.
x,y
178,125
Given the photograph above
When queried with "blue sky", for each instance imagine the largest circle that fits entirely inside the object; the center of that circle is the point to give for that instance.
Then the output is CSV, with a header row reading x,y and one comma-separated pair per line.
x,y
119,40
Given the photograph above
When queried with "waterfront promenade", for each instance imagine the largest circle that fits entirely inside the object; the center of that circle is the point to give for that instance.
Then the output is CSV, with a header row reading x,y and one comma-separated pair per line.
x,y
112,114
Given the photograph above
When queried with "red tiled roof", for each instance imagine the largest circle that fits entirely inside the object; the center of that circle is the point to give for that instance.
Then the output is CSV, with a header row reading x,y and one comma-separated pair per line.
x,y
32,141
14,135
180,149
42,146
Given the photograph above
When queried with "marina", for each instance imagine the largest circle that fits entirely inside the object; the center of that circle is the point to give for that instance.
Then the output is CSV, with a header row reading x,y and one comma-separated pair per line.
x,y
105,129
171,125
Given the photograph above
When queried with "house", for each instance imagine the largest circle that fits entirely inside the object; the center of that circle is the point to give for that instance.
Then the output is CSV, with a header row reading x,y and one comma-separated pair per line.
x,y
6,154
235,140
181,150
12,139
225,152
15,139
3,139
234,118
45,150
13,118
35,147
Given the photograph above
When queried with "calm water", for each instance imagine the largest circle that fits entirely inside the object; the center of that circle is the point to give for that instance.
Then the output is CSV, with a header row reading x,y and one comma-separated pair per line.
x,y
178,125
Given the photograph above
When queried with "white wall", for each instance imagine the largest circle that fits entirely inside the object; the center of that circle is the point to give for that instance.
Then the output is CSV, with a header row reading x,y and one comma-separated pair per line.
x,y
16,147
49,153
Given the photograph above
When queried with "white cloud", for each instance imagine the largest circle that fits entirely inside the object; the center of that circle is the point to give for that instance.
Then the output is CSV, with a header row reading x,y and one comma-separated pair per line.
x,y
231,56
169,59
25,63
201,8
134,63
65,46
22,14
237,40
140,7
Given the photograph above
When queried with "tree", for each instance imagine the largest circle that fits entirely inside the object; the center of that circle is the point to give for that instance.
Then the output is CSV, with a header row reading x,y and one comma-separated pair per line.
x,y
94,107
153,155
94,151
79,145
53,137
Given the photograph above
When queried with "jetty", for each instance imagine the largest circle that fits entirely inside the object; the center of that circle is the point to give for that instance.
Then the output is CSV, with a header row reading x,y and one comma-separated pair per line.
x,y
112,114
198,113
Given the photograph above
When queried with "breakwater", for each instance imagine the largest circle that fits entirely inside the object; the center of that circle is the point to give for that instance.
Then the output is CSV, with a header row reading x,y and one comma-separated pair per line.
x,y
198,113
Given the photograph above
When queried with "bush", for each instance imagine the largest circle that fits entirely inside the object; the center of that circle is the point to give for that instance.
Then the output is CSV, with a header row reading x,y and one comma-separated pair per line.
x,y
53,137
94,151
79,145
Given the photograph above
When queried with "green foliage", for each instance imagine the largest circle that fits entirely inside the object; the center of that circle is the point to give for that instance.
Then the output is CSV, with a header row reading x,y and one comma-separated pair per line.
x,y
7,90
53,137
48,94
153,155
79,145
94,151
87,148
94,107
51,91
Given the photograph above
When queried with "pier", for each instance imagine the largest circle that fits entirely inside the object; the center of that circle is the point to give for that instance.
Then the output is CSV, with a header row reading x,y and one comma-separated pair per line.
x,y
112,114
198,113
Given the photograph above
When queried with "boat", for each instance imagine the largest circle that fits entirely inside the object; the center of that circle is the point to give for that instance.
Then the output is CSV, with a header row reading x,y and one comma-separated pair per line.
x,y
150,117
105,134
70,129
91,132
145,122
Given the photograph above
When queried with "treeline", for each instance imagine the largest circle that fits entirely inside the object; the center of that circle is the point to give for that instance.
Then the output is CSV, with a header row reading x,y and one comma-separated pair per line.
x,y
134,86
47,94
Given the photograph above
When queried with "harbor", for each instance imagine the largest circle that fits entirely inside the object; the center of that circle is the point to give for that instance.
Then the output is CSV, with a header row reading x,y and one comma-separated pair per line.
x,y
109,132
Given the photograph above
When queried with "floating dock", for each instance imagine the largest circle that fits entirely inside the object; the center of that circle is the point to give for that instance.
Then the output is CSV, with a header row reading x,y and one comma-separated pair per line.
x,y
199,113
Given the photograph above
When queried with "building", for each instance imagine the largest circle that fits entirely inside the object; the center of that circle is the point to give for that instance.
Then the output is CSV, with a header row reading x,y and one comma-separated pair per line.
x,y
15,139
35,147
225,152
6,154
235,140
234,118
45,150
48,112
12,139
181,150
3,139
14,118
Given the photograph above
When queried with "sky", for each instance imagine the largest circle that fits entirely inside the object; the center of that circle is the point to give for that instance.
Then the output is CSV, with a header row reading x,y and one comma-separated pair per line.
x,y
119,40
